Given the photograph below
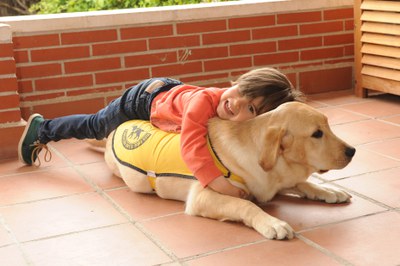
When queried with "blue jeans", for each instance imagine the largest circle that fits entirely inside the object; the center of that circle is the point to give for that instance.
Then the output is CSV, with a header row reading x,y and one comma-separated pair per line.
x,y
135,103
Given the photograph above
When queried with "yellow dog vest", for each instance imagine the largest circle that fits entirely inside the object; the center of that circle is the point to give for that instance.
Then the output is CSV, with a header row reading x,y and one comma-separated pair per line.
x,y
155,153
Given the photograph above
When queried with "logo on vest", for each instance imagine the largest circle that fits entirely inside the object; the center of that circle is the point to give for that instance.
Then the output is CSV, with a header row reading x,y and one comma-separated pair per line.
x,y
134,137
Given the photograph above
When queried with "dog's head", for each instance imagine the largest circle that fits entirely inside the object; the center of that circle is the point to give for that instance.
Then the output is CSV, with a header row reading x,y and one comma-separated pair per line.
x,y
302,136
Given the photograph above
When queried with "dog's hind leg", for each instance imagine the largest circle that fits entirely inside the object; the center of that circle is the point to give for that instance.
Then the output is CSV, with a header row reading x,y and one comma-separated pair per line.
x,y
208,203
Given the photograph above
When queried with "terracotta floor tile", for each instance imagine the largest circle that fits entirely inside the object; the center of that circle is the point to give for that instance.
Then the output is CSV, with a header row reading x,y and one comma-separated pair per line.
x,y
389,147
60,216
11,256
14,166
378,106
142,206
364,161
371,240
338,116
41,185
116,245
293,252
362,132
302,213
77,151
101,175
188,236
383,186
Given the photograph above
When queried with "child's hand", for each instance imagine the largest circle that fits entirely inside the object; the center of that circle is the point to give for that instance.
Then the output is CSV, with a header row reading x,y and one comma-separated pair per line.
x,y
223,186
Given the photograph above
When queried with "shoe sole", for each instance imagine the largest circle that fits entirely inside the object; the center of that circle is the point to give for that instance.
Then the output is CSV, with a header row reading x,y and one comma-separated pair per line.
x,y
21,141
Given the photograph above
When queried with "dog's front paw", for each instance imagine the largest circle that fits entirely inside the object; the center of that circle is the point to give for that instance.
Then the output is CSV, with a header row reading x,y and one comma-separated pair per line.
x,y
323,193
272,228
334,195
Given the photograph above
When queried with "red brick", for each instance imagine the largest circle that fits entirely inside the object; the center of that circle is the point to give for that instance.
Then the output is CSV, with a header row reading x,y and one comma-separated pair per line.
x,y
93,91
88,36
347,38
174,42
275,32
21,56
8,117
92,65
349,25
145,32
303,65
203,78
8,84
230,63
25,86
7,67
67,108
203,26
150,59
9,135
338,13
326,80
60,53
323,53
120,47
6,50
276,58
122,76
253,48
294,44
341,60
207,53
63,82
292,78
250,22
9,101
299,17
349,50
40,97
324,27
177,69
35,41
226,37
34,71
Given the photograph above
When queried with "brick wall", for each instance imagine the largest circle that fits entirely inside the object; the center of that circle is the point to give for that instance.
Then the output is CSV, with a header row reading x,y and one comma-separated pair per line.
x,y
80,69
10,114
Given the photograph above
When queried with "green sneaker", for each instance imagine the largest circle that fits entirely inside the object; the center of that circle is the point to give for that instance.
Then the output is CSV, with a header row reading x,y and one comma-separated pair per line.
x,y
29,145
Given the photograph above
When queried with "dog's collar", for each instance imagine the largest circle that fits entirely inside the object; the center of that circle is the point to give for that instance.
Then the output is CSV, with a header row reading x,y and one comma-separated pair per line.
x,y
225,171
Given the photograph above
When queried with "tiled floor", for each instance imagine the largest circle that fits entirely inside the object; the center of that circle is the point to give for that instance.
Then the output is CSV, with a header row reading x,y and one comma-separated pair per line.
x,y
73,211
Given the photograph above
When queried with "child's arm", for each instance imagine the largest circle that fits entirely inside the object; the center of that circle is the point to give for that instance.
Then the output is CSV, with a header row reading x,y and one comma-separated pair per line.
x,y
223,186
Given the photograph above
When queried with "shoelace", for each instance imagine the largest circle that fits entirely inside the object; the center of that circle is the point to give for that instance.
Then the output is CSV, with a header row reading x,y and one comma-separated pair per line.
x,y
36,150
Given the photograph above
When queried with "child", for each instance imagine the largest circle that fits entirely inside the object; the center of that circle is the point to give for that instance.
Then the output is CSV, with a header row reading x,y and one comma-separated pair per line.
x,y
171,106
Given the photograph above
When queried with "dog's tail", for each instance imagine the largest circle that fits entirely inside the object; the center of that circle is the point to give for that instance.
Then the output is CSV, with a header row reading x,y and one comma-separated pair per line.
x,y
97,145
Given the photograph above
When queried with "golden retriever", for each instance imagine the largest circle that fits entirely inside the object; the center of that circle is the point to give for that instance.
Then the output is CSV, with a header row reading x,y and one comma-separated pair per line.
x,y
274,153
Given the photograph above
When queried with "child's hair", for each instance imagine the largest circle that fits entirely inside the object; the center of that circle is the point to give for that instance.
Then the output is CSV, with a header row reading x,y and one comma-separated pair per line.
x,y
269,83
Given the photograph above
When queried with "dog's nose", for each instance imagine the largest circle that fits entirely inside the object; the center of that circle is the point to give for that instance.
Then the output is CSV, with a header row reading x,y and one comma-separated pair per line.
x,y
350,151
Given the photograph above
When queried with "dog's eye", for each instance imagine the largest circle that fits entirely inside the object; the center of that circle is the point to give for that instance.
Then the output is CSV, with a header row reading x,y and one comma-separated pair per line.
x,y
317,134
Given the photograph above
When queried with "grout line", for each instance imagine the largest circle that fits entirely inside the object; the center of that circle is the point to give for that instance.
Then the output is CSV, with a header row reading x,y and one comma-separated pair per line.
x,y
324,250
320,226
15,241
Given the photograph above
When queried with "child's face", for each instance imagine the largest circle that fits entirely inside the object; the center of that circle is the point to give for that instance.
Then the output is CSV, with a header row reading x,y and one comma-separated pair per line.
x,y
235,107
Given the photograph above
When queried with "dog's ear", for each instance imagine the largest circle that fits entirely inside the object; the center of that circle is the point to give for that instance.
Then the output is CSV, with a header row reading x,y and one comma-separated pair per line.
x,y
271,147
